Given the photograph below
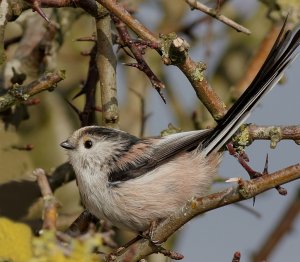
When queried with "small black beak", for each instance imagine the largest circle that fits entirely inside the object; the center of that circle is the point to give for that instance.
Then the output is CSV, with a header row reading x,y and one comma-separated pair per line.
x,y
66,144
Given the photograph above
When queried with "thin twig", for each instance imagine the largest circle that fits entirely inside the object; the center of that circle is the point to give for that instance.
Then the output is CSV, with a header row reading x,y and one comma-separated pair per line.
x,y
138,55
214,13
22,93
89,88
11,41
87,116
88,5
236,257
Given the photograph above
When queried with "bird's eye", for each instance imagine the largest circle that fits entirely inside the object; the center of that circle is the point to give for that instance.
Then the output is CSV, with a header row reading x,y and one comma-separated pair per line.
x,y
88,144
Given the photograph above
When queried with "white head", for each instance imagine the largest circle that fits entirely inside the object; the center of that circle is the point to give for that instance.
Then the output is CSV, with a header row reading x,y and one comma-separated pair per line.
x,y
97,147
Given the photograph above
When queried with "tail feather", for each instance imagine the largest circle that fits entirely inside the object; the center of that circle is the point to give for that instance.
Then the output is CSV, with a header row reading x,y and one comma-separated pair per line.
x,y
280,56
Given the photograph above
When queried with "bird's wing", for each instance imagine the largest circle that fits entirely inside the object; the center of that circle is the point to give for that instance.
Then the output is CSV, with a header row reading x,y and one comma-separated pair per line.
x,y
149,153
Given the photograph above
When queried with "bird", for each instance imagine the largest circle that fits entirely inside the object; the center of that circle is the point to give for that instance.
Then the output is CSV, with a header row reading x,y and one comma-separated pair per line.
x,y
133,181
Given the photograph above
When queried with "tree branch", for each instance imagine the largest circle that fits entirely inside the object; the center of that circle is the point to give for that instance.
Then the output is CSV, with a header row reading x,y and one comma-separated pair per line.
x,y
22,93
215,14
119,11
3,20
194,71
249,133
196,206
50,203
174,50
106,63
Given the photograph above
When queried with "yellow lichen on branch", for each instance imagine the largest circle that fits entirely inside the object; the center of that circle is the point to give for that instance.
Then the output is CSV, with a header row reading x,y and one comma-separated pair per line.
x,y
17,244
15,241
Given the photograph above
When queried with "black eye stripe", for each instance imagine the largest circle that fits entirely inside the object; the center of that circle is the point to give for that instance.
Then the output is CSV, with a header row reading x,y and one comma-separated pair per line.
x,y
88,144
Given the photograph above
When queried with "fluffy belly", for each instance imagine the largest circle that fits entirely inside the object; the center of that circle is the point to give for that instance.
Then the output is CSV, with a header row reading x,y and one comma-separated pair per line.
x,y
135,203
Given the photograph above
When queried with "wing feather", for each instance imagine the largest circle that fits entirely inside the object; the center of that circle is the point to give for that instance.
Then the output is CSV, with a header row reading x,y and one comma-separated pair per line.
x,y
149,153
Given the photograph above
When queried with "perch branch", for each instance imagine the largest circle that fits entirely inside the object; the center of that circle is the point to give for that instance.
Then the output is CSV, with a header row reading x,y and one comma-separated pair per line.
x,y
196,206
22,93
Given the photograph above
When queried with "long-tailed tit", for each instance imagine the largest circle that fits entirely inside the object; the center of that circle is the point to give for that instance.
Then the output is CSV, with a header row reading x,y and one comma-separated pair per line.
x,y
132,181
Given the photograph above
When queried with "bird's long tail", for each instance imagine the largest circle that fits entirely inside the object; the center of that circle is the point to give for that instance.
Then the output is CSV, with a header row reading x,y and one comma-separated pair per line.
x,y
281,55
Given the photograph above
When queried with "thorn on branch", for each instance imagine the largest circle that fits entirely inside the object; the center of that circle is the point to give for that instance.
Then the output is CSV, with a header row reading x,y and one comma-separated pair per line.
x,y
36,7
17,78
81,92
242,158
281,190
87,38
32,102
236,257
169,253
253,174
74,108
27,147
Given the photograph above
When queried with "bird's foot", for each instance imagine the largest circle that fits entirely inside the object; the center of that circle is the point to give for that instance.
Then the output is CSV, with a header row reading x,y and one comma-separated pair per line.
x,y
149,233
